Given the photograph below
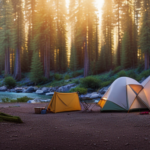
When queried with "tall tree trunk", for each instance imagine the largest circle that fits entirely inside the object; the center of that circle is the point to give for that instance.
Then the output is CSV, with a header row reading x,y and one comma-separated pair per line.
x,y
86,59
17,70
7,62
146,60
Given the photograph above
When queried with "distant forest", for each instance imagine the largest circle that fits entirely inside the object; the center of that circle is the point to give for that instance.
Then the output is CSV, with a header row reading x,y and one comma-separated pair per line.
x,y
44,36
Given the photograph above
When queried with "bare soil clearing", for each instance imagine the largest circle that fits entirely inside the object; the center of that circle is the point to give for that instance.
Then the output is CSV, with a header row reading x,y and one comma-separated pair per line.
x,y
74,130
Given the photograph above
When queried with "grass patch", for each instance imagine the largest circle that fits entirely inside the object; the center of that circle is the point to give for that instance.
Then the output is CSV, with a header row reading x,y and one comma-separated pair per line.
x,y
79,89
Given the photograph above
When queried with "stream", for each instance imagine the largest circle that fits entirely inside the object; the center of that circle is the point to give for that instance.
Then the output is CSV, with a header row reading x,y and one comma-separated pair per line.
x,y
13,95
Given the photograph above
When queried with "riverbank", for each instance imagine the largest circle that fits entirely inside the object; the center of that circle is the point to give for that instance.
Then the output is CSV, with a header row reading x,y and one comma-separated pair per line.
x,y
74,130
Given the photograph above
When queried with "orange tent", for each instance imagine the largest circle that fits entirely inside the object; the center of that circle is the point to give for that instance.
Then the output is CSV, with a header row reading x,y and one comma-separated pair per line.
x,y
64,102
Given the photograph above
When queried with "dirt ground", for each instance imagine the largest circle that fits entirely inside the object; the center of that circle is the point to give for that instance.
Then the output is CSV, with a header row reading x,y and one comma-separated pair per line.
x,y
73,130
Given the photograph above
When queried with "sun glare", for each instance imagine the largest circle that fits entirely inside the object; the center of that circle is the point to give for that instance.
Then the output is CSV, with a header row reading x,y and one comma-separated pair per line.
x,y
98,5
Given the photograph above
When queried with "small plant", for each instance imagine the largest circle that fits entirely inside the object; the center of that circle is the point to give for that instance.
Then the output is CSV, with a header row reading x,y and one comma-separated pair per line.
x,y
5,100
77,73
67,77
57,76
117,69
90,82
131,74
122,73
10,82
23,99
79,89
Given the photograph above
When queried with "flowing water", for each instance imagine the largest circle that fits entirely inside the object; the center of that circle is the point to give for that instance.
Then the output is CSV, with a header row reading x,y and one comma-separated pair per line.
x,y
13,95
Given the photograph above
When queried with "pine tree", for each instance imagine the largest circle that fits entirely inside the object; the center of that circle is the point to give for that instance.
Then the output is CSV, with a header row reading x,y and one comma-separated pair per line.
x,y
144,38
6,32
36,69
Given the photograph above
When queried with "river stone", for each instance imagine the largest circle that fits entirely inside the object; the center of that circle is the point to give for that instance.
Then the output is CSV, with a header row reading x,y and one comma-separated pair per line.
x,y
45,101
18,89
65,88
40,92
30,90
50,94
3,88
95,95
34,101
12,90
45,89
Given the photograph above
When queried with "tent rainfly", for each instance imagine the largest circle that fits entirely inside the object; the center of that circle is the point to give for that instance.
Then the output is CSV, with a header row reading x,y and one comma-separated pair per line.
x,y
145,93
61,102
122,95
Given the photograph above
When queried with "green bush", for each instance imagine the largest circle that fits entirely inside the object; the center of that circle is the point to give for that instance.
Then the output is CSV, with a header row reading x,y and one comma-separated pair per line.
x,y
23,99
145,73
10,82
140,68
131,74
5,100
79,89
122,73
67,77
77,73
117,69
57,76
76,81
106,83
90,82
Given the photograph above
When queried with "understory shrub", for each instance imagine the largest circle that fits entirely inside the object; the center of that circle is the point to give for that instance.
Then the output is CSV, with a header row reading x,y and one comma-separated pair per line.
x,y
67,77
57,76
77,73
23,99
122,73
81,90
90,82
131,74
10,82
117,69
5,100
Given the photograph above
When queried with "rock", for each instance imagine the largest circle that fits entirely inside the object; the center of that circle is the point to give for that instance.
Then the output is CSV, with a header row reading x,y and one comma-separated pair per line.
x,y
18,90
53,89
40,92
65,88
30,90
95,95
3,88
45,101
68,80
103,90
86,96
12,90
34,101
50,94
45,90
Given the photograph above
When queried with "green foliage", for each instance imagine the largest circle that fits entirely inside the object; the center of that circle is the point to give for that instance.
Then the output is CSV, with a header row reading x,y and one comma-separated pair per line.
x,y
77,73
67,77
122,73
79,89
57,76
23,99
10,82
117,69
106,83
10,118
36,69
90,82
131,74
5,100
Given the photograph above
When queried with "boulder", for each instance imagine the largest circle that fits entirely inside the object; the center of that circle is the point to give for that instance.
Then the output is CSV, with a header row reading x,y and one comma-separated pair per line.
x,y
12,90
3,88
34,101
86,96
50,94
30,90
18,89
45,89
40,92
65,88
103,90
53,89
95,95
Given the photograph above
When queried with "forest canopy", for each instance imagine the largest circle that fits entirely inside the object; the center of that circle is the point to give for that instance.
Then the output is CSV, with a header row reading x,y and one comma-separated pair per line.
x,y
39,36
